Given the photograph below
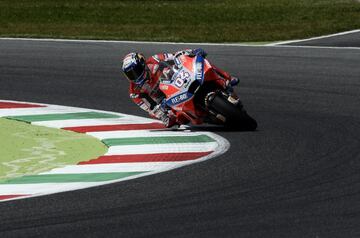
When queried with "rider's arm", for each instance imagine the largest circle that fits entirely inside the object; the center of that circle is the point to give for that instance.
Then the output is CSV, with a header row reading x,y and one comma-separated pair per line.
x,y
156,59
155,111
169,57
141,102
140,99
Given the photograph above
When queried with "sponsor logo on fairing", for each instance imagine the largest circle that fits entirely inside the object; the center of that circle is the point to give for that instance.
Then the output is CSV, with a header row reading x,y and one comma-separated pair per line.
x,y
179,98
199,68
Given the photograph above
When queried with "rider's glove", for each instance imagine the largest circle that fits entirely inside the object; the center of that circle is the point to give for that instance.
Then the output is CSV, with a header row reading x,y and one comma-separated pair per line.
x,y
199,51
166,116
157,112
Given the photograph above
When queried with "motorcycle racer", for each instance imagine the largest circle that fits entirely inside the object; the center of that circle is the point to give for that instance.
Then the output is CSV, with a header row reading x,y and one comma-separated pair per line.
x,y
144,77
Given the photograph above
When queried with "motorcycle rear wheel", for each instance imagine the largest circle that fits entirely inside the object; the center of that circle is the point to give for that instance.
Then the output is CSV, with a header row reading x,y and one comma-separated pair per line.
x,y
235,115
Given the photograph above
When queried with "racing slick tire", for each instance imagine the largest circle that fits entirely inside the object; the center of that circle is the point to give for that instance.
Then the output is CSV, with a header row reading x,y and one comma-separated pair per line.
x,y
234,115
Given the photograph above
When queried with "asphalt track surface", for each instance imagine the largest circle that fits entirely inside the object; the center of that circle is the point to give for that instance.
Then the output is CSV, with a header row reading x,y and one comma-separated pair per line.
x,y
346,40
298,175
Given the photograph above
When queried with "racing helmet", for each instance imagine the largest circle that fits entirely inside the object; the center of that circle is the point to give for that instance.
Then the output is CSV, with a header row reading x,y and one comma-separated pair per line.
x,y
134,68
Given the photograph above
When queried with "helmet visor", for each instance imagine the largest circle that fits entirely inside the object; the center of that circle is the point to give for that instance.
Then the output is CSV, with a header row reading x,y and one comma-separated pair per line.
x,y
136,73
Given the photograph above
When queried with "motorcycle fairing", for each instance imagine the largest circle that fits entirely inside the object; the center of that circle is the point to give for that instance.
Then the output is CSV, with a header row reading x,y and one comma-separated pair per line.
x,y
186,80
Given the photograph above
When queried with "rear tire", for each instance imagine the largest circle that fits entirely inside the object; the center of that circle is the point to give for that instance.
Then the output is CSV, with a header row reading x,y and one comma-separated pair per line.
x,y
235,115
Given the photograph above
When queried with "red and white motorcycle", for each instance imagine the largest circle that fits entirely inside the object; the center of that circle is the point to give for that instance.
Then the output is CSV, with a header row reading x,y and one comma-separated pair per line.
x,y
195,94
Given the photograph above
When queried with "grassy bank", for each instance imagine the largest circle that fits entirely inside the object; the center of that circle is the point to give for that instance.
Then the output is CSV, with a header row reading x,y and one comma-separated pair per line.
x,y
194,21
29,149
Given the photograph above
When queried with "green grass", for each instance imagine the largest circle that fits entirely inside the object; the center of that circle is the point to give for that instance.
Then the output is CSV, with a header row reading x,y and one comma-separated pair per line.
x,y
194,21
27,149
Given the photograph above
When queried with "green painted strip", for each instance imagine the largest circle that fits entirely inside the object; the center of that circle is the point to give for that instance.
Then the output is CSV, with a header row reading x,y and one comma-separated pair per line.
x,y
157,140
68,178
63,116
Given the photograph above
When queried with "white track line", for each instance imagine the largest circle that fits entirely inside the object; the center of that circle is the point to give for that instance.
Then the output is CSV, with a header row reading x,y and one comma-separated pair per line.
x,y
53,107
116,167
141,133
316,47
316,38
161,148
38,111
42,188
91,122
192,43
